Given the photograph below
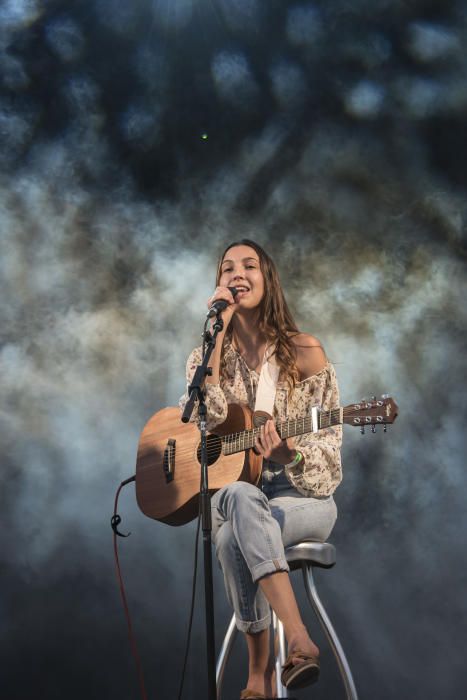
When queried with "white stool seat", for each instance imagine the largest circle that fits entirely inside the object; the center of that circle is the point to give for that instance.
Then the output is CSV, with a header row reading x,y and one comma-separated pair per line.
x,y
321,554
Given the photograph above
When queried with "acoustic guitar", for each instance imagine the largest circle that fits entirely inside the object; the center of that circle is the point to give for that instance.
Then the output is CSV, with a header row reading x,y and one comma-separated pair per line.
x,y
169,452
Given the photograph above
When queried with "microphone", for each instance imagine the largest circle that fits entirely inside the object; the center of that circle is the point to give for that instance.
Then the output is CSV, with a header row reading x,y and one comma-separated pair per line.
x,y
220,304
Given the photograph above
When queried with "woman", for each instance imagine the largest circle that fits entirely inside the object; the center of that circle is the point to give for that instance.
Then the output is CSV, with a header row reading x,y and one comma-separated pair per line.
x,y
293,500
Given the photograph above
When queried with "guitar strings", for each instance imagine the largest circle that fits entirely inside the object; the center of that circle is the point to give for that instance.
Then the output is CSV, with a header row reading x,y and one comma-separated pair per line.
x,y
232,439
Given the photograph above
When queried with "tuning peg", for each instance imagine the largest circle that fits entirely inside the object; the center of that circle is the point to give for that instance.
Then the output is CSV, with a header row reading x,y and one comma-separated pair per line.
x,y
373,398
362,430
384,396
385,428
373,428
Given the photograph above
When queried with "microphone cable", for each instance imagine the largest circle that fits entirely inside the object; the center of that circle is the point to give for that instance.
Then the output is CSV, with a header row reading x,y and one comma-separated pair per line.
x,y
192,607
115,522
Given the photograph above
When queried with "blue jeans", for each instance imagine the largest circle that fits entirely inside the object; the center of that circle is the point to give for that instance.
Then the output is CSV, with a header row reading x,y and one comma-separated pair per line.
x,y
251,525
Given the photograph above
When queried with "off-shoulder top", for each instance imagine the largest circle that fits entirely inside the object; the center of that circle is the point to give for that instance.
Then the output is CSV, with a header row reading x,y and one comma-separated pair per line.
x,y
321,471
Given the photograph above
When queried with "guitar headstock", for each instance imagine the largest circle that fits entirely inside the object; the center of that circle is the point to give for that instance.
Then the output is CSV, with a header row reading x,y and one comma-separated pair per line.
x,y
371,412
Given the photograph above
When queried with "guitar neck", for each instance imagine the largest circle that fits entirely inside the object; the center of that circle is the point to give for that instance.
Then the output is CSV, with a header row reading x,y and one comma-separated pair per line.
x,y
319,419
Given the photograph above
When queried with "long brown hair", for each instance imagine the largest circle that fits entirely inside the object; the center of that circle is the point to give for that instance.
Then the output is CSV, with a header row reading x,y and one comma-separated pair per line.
x,y
275,320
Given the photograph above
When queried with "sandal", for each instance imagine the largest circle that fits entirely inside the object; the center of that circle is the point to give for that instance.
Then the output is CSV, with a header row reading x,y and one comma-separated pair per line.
x,y
248,694
299,675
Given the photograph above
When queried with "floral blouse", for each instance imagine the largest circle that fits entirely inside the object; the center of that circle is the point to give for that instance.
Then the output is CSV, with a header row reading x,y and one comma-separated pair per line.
x,y
321,471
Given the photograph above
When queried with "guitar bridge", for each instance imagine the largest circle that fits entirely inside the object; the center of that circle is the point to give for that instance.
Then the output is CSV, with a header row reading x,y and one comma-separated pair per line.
x,y
169,460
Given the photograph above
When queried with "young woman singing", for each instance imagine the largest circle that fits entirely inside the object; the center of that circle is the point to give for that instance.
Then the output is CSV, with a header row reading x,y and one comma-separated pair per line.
x,y
293,500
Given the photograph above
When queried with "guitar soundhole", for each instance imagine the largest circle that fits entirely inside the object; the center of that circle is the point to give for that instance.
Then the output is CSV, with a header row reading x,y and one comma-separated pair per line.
x,y
214,449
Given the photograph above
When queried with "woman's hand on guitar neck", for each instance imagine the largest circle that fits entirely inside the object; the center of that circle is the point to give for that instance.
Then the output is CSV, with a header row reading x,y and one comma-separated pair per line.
x,y
270,445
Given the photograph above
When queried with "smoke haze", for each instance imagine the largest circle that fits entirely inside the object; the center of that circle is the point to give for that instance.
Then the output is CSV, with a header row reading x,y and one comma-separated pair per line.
x,y
136,140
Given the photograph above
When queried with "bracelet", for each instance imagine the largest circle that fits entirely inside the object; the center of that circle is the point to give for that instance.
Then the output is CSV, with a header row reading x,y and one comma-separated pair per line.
x,y
296,460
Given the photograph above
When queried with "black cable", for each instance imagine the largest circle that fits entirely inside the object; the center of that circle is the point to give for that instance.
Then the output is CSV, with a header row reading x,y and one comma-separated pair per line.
x,y
115,522
193,593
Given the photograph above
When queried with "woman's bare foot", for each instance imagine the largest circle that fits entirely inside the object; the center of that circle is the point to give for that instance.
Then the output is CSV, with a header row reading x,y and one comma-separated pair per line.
x,y
263,683
301,640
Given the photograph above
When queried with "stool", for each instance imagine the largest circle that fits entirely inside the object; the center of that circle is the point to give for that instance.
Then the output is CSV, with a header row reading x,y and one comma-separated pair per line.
x,y
304,555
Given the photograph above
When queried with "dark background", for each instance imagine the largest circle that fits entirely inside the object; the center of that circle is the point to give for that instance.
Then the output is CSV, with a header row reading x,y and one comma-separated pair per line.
x,y
137,139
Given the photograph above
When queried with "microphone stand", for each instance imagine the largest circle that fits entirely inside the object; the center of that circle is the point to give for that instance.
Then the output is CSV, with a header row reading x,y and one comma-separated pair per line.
x,y
196,391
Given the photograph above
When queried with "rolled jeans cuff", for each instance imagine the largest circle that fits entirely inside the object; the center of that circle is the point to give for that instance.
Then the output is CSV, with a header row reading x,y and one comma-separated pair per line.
x,y
253,626
270,566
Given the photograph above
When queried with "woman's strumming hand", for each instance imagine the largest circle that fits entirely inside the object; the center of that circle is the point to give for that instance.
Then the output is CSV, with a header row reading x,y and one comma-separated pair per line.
x,y
271,446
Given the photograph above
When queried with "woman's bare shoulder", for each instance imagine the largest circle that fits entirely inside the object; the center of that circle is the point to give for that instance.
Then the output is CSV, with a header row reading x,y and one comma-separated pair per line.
x,y
311,357
306,340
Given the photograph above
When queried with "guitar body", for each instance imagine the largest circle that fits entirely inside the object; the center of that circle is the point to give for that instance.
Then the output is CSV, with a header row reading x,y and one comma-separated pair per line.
x,y
168,469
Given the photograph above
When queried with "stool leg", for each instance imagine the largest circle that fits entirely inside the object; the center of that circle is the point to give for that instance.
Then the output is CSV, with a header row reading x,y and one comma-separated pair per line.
x,y
330,632
279,653
224,654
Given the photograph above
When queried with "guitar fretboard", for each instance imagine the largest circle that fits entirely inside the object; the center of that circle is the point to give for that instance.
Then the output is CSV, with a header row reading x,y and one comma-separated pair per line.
x,y
244,440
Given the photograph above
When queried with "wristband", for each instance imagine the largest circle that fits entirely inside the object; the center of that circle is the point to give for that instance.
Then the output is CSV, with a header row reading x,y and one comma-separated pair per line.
x,y
296,460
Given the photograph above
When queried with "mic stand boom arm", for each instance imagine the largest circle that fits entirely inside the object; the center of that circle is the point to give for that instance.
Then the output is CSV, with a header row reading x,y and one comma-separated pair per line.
x,y
196,391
